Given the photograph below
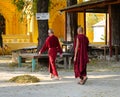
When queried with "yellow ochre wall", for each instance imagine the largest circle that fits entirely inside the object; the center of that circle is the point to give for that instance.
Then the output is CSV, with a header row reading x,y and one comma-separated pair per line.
x,y
57,19
80,16
15,31
26,32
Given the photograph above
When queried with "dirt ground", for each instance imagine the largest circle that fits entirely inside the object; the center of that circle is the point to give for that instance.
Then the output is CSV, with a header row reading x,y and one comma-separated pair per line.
x,y
103,81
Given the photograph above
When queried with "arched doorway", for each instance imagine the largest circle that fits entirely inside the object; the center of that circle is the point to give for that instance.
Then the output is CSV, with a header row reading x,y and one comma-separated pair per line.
x,y
2,24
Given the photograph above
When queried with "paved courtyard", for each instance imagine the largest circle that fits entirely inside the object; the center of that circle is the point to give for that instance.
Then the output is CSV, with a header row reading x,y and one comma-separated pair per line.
x,y
102,83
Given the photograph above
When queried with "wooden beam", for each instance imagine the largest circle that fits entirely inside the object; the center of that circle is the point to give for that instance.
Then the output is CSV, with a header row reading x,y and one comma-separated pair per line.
x,y
84,22
106,26
81,7
110,31
65,33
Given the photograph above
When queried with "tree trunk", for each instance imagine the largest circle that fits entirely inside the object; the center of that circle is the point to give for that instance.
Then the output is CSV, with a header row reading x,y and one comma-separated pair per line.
x,y
71,21
115,24
42,7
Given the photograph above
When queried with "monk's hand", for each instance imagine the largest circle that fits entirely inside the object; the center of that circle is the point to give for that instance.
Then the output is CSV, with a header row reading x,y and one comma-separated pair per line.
x,y
61,55
74,58
39,52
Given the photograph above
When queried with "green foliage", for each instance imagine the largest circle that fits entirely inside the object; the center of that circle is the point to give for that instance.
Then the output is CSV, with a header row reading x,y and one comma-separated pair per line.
x,y
26,7
93,18
49,5
19,3
34,8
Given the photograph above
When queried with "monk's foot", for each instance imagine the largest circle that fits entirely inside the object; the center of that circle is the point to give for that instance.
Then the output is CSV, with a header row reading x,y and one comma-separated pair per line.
x,y
51,75
77,79
85,79
81,77
56,78
81,82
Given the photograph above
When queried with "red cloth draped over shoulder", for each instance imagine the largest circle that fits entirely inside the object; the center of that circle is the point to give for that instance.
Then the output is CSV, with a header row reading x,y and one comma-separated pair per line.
x,y
82,55
83,47
51,42
52,45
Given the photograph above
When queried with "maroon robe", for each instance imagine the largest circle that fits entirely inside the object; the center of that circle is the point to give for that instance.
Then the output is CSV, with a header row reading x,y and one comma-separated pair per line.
x,y
82,56
53,46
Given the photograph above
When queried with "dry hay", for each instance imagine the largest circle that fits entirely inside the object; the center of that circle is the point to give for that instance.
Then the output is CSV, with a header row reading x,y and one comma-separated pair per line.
x,y
13,64
25,79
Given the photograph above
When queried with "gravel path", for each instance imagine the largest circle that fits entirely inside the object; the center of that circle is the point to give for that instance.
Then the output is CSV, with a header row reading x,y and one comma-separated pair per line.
x,y
100,83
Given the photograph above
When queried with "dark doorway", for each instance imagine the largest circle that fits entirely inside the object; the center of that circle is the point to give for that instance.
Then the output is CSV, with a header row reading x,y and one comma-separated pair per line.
x,y
2,24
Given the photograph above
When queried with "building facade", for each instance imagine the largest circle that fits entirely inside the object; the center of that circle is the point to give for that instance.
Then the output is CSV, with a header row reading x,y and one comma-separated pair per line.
x,y
18,34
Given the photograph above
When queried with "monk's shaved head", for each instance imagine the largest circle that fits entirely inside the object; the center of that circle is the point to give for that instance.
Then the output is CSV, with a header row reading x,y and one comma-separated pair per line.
x,y
50,31
80,29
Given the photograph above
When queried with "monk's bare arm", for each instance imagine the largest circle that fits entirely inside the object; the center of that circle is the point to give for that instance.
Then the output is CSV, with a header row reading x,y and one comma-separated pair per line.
x,y
76,49
59,47
44,47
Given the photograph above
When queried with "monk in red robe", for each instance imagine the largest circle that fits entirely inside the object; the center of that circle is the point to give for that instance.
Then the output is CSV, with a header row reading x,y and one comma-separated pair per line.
x,y
53,46
81,56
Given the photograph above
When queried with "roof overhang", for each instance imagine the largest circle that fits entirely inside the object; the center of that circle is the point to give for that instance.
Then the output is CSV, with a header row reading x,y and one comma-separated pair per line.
x,y
97,6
